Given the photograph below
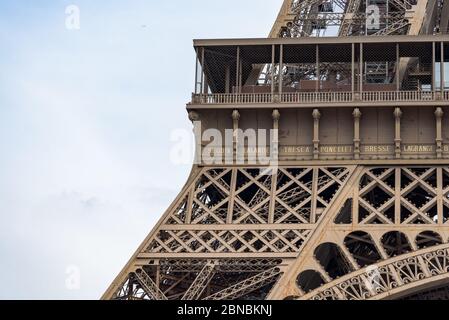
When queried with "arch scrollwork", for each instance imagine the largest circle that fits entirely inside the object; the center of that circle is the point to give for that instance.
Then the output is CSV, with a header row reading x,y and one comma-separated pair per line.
x,y
408,272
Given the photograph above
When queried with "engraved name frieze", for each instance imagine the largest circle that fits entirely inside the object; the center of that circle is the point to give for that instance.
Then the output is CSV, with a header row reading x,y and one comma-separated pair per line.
x,y
418,148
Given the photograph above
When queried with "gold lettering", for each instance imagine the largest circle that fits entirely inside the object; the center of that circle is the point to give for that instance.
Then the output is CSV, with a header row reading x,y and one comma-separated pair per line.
x,y
418,149
376,149
336,149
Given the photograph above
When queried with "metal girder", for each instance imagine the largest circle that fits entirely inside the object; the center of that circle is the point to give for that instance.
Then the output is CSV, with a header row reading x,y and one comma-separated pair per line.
x,y
201,281
246,286
307,15
392,28
402,4
148,285
255,222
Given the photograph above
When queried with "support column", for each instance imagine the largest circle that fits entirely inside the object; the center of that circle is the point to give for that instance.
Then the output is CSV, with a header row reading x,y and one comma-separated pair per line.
x,y
433,66
316,133
273,55
440,195
230,214
317,70
196,71
398,68
353,70
235,127
397,139
237,72
202,73
204,77
281,66
274,157
357,115
439,132
361,70
397,196
275,144
194,117
158,273
442,76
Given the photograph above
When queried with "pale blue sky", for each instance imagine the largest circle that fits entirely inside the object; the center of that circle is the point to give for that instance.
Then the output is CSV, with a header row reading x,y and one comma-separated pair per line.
x,y
85,123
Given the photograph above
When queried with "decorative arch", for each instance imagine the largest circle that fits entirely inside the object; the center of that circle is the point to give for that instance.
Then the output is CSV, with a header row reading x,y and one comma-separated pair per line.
x,y
333,260
397,277
395,243
309,280
363,248
428,239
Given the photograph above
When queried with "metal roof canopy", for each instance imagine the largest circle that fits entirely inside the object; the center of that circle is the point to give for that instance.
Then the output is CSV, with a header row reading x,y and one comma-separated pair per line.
x,y
321,40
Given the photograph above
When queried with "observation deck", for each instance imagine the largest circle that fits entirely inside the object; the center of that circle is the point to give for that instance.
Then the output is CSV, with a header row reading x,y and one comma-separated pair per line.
x,y
321,72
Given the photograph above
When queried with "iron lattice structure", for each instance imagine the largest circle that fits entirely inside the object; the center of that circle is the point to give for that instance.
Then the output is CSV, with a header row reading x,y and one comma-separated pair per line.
x,y
357,206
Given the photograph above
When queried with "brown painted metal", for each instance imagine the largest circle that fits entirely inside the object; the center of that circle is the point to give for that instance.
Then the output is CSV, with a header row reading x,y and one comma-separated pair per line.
x,y
357,204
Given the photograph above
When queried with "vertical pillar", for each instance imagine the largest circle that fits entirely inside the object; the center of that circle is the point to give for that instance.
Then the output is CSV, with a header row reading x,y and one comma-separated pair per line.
x,y
433,66
194,117
235,127
274,156
440,195
196,70
439,132
158,273
397,139
230,214
398,68
281,66
273,55
361,70
275,144
397,195
237,72
315,176
189,207
202,71
355,205
317,70
357,115
316,133
442,75
353,69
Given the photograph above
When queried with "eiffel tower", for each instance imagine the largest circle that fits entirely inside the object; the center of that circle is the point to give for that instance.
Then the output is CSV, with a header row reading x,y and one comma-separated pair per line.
x,y
353,203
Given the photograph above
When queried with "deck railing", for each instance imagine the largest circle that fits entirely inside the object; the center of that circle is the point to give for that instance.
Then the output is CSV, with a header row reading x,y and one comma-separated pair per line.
x,y
320,97
316,97
383,96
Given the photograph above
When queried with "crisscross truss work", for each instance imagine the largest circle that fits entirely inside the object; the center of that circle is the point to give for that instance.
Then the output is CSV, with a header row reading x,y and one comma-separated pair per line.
x,y
314,232
248,211
384,237
201,279
231,233
357,17
402,196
